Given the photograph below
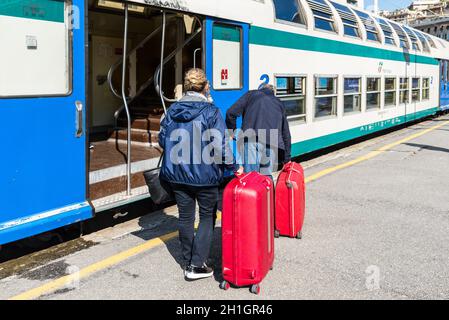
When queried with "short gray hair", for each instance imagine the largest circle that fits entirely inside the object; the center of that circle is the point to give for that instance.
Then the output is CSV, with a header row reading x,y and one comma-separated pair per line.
x,y
268,86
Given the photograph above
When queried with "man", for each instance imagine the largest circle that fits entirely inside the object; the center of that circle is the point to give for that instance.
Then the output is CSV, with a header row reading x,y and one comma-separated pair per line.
x,y
265,138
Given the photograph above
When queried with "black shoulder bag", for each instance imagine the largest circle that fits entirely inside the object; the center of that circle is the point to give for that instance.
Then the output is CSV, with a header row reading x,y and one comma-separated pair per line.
x,y
160,190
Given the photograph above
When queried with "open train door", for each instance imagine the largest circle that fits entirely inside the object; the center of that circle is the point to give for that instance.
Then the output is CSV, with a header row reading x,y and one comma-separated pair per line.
x,y
42,106
227,61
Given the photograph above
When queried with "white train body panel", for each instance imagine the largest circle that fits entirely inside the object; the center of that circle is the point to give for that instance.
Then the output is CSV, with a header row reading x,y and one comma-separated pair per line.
x,y
270,55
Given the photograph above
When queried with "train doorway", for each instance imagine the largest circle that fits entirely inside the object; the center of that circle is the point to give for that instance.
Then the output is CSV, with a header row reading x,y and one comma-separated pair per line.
x,y
115,179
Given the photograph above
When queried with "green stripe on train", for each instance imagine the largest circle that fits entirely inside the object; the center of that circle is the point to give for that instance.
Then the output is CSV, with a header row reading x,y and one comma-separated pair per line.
x,y
282,39
226,33
46,10
339,137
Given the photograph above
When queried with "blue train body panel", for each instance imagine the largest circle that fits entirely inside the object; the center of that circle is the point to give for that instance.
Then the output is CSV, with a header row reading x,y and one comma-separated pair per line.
x,y
43,183
444,100
444,93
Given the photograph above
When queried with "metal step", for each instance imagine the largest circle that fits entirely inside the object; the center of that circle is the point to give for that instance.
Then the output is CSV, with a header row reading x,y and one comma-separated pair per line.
x,y
120,199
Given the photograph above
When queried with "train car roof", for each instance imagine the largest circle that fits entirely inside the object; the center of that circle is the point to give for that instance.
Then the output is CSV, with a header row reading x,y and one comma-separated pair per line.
x,y
259,11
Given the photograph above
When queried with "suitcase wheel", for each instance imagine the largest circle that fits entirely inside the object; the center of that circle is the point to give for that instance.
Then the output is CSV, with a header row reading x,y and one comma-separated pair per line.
x,y
255,288
276,233
224,285
299,235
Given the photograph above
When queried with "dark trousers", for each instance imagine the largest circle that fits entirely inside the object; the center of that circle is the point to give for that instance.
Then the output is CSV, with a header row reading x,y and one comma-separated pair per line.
x,y
195,248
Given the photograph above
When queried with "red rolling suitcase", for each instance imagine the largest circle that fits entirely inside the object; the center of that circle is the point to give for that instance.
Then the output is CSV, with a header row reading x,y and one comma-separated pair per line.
x,y
290,201
247,231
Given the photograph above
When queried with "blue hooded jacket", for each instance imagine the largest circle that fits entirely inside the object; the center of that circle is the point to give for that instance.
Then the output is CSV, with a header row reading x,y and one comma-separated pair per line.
x,y
183,161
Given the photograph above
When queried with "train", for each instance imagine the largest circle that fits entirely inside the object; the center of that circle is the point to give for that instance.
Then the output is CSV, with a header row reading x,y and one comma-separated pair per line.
x,y
83,85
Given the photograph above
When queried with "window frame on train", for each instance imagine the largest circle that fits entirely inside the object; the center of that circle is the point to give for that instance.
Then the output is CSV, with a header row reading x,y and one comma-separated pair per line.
x,y
415,42
322,16
214,86
293,93
416,89
387,31
300,11
404,41
390,91
349,20
373,92
333,96
404,89
352,94
425,89
33,42
370,26
430,40
424,43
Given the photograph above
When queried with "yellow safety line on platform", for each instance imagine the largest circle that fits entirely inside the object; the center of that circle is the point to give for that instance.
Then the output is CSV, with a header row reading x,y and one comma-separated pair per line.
x,y
371,154
120,257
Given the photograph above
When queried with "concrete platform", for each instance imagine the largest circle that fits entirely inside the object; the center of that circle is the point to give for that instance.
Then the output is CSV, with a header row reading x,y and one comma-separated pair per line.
x,y
374,229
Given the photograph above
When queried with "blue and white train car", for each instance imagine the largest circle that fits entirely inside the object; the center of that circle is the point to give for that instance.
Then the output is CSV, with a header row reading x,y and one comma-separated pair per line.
x,y
81,126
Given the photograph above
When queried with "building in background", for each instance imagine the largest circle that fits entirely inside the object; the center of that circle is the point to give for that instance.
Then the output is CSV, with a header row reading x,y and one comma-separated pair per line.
x,y
430,16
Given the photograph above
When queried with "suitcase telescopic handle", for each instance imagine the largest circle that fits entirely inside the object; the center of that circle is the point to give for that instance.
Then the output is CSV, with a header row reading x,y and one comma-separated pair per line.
x,y
241,176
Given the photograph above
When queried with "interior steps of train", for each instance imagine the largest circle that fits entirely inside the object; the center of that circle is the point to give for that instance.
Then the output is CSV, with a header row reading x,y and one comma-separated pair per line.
x,y
108,158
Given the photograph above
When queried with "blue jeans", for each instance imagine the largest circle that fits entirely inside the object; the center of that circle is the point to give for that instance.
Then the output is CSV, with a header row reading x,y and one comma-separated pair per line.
x,y
195,248
258,157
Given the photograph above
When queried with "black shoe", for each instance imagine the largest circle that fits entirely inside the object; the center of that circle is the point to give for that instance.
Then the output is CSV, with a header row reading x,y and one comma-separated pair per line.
x,y
184,269
195,273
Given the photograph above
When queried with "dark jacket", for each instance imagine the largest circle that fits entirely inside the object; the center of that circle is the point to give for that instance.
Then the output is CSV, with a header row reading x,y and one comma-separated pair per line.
x,y
180,167
261,109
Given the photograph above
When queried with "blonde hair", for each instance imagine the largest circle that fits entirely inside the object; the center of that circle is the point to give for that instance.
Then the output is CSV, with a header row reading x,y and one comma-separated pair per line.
x,y
195,80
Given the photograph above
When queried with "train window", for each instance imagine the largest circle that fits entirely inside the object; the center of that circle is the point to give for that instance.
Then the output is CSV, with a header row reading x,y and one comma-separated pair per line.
x,y
325,96
403,41
388,32
41,45
324,19
404,90
292,92
351,27
373,93
413,38
353,95
429,39
390,92
227,57
416,89
289,11
426,88
423,40
372,33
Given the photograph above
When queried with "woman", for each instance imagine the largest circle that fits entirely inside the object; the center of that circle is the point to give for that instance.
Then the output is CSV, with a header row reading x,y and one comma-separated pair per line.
x,y
193,177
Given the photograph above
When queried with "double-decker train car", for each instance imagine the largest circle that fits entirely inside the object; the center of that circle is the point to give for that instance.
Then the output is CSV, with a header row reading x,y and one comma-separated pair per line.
x,y
83,85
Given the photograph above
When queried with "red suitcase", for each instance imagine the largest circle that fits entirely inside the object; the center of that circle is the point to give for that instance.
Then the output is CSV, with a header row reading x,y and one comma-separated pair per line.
x,y
247,231
290,201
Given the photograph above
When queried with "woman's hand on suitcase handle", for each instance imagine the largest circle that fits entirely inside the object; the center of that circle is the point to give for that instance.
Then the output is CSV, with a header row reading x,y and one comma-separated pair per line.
x,y
239,172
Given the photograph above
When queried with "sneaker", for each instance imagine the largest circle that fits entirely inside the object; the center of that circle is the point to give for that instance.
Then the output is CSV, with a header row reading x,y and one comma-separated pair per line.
x,y
195,273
